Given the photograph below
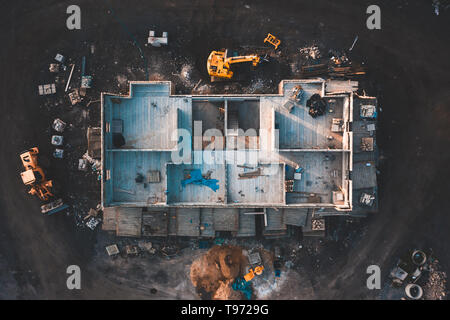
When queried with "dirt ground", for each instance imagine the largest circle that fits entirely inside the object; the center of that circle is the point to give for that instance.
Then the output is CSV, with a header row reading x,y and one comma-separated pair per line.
x,y
212,273
408,71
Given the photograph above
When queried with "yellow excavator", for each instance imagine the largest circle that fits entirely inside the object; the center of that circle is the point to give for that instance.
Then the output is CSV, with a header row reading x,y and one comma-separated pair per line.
x,y
34,176
219,64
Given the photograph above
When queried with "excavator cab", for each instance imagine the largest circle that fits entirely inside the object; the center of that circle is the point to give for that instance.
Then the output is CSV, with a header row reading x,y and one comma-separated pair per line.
x,y
32,176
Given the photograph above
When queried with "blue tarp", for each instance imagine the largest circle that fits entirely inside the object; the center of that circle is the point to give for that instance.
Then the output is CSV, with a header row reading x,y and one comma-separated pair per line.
x,y
197,178
241,285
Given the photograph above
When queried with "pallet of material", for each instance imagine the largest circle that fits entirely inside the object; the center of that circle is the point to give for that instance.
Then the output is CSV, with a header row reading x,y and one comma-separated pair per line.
x,y
315,227
349,71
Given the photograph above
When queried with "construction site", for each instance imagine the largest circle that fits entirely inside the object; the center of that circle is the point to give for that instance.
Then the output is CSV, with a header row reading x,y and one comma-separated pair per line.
x,y
291,169
224,151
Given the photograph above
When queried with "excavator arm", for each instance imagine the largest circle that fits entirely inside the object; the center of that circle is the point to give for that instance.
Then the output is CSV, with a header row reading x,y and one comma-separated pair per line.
x,y
251,58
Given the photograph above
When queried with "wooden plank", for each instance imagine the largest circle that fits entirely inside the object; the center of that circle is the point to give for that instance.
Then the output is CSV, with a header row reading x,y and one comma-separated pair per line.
x,y
94,142
295,217
247,226
207,222
188,222
155,223
226,219
275,220
129,222
109,219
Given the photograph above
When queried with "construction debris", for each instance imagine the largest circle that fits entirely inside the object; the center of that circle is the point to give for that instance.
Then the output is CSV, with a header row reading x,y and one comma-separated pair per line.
x,y
367,144
96,164
60,58
347,71
59,125
317,105
157,41
82,164
338,59
57,140
92,223
251,174
112,250
337,125
368,111
353,44
311,53
146,246
131,250
314,70
318,224
436,286
94,142
58,153
367,199
70,78
86,81
53,207
254,258
75,97
413,291
47,89
54,67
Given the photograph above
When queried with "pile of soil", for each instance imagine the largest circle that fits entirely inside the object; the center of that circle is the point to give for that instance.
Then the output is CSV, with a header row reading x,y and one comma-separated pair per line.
x,y
436,286
213,273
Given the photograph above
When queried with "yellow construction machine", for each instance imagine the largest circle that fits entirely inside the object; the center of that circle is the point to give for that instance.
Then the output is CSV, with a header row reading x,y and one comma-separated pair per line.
x,y
219,64
272,40
34,176
252,272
